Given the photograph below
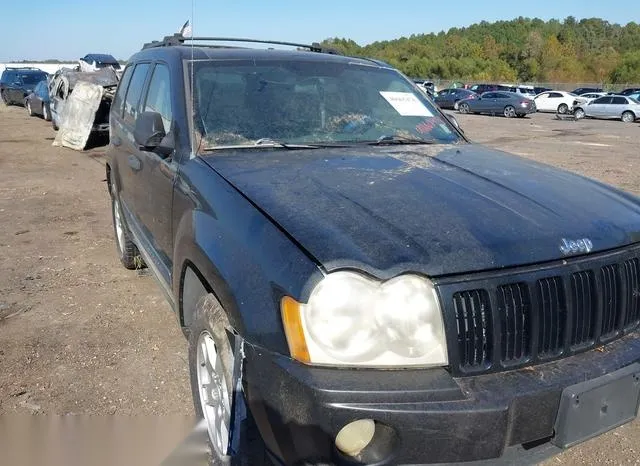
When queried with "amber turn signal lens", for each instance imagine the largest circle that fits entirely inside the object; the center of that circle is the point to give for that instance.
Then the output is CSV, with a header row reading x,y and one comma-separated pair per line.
x,y
293,329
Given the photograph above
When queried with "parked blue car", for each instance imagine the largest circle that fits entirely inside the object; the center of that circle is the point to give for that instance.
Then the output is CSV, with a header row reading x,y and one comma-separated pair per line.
x,y
37,102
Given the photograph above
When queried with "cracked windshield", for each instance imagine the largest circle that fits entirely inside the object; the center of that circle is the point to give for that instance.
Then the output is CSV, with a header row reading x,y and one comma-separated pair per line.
x,y
244,104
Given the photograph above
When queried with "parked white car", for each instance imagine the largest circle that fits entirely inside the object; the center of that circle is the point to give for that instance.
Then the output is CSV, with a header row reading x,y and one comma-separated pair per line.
x,y
554,101
586,98
610,107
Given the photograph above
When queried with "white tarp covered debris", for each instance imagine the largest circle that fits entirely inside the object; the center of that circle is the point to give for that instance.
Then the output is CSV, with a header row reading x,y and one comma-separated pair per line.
x,y
78,115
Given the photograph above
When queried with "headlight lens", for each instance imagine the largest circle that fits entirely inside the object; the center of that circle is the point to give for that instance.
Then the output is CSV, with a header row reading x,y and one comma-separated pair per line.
x,y
355,321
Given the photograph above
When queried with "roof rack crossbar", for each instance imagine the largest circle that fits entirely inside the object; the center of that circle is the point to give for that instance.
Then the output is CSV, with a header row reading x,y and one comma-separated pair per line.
x,y
178,39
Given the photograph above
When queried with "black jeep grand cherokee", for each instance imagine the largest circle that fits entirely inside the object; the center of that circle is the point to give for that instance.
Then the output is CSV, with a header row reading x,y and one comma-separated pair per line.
x,y
359,283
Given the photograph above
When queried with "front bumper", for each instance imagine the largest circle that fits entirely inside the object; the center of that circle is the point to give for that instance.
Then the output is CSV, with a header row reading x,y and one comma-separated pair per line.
x,y
431,417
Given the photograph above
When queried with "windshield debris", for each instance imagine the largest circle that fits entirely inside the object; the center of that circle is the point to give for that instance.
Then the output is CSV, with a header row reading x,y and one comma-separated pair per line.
x,y
289,104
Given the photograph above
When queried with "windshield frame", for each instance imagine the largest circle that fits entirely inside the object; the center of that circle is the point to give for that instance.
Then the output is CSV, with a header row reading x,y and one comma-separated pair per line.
x,y
197,149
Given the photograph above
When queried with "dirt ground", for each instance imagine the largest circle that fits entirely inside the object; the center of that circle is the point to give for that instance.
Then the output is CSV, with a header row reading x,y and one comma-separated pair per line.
x,y
80,334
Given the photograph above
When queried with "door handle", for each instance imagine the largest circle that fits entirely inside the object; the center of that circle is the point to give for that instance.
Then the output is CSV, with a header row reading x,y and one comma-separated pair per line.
x,y
116,141
134,163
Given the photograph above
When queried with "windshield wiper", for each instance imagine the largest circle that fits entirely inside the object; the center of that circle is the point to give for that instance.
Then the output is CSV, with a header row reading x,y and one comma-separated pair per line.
x,y
316,145
268,142
264,142
397,139
271,143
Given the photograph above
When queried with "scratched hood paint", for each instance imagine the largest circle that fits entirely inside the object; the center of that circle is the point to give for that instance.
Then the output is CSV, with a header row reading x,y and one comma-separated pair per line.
x,y
437,210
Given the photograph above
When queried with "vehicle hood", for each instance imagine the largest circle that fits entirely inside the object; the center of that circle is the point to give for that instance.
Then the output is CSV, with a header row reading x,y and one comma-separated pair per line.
x,y
436,210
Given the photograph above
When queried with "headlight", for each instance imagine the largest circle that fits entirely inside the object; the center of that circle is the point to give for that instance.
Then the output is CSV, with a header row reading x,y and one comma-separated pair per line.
x,y
351,320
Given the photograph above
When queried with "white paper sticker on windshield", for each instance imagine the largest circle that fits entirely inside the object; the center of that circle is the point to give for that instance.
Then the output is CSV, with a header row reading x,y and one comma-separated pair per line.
x,y
406,104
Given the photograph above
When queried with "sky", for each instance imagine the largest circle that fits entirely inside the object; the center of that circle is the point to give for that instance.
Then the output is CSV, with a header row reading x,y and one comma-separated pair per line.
x,y
68,30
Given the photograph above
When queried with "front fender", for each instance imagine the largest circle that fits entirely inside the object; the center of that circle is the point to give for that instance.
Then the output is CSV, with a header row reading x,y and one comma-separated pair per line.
x,y
245,260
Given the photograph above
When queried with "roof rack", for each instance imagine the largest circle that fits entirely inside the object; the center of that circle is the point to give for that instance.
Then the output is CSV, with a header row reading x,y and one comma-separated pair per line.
x,y
179,39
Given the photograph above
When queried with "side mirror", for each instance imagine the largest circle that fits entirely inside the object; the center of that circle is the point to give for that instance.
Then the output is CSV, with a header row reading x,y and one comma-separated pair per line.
x,y
150,135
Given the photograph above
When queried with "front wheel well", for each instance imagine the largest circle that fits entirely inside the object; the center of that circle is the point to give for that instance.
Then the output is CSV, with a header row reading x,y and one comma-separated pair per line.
x,y
193,287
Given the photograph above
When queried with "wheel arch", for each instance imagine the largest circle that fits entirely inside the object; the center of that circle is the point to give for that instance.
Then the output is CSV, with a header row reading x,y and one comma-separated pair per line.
x,y
635,117
195,276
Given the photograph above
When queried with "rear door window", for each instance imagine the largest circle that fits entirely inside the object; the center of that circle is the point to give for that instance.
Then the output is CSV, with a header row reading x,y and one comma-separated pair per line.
x,y
134,91
118,101
602,100
619,101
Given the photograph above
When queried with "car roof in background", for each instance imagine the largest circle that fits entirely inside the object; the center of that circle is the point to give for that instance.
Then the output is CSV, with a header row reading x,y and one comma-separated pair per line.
x,y
24,70
100,58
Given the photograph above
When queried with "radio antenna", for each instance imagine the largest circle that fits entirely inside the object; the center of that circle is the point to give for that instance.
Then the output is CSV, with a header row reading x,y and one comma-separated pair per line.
x,y
193,103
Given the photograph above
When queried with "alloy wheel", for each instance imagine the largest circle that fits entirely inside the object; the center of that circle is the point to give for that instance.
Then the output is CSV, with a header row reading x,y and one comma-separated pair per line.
x,y
214,395
117,216
509,111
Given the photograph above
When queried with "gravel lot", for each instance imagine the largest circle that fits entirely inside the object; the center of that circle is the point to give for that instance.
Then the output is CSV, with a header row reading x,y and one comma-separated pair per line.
x,y
79,334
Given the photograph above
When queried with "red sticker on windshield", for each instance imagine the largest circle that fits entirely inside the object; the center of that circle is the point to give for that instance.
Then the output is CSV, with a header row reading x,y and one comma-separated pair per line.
x,y
426,126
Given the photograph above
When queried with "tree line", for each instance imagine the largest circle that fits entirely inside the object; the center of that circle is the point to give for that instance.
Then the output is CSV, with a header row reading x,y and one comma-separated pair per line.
x,y
523,49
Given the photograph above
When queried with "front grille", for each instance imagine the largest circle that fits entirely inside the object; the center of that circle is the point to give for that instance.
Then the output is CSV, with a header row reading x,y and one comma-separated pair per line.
x,y
552,313
514,309
583,292
611,298
473,323
632,291
537,315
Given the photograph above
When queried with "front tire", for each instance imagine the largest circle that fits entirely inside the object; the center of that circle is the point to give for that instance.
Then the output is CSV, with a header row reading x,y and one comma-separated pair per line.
x,y
628,117
5,100
211,361
578,113
563,108
509,111
127,250
463,107
29,109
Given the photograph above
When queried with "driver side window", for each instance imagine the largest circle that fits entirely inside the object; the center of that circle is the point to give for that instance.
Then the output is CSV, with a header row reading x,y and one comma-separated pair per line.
x,y
159,95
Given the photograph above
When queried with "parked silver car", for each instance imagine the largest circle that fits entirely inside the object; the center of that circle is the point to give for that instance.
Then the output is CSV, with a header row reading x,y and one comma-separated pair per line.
x,y
508,104
610,107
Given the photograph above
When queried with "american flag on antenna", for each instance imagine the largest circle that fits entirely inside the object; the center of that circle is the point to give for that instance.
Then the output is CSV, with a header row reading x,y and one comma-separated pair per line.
x,y
185,30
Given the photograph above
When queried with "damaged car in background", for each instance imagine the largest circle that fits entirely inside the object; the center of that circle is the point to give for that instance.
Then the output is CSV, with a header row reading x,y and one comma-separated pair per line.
x,y
80,104
98,61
